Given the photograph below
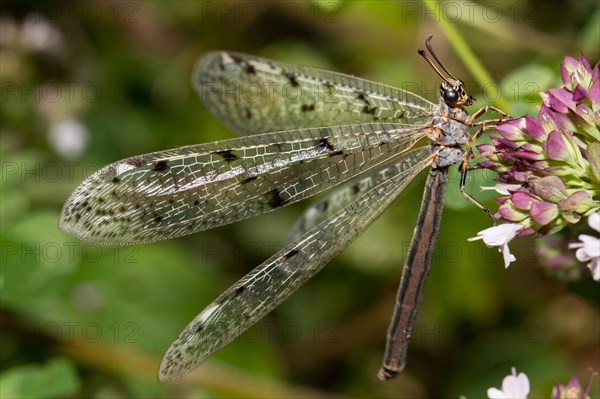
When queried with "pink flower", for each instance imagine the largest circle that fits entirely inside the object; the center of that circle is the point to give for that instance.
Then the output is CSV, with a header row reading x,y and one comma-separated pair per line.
x,y
572,390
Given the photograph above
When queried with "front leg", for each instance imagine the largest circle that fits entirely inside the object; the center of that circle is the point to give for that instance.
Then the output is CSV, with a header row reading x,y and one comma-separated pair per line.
x,y
483,110
483,127
485,124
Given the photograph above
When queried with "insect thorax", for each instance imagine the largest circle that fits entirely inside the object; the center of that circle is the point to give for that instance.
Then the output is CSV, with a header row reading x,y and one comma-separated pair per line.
x,y
451,133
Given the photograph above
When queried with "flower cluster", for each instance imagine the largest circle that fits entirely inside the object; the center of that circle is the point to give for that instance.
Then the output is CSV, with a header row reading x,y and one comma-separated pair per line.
x,y
549,166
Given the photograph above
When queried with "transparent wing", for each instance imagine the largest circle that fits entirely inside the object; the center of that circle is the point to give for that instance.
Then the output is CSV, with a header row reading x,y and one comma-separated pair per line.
x,y
249,94
177,192
351,191
256,294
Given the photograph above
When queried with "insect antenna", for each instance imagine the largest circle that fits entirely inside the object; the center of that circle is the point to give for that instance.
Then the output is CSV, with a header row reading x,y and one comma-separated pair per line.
x,y
424,55
435,57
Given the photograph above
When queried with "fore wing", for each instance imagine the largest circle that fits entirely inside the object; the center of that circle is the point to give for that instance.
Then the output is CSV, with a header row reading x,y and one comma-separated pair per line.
x,y
181,191
260,291
253,95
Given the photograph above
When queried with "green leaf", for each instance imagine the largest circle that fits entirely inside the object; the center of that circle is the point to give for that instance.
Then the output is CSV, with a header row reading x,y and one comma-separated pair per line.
x,y
523,85
455,200
591,31
55,379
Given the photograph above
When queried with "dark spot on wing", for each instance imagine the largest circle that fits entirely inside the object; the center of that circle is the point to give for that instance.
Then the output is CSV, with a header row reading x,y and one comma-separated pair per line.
x,y
307,107
362,96
367,109
248,180
274,199
116,179
248,68
196,202
157,218
198,328
338,152
227,155
161,166
292,78
290,254
330,87
232,293
248,113
137,162
355,188
325,144
236,58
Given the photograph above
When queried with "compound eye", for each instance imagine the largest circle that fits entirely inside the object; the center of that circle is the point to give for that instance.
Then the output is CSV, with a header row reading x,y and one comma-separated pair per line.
x,y
450,95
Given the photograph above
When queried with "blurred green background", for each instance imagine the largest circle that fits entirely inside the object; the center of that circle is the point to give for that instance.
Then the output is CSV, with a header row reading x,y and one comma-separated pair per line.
x,y
88,83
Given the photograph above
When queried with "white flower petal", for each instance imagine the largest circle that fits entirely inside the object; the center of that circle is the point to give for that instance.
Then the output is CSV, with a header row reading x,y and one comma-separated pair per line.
x,y
513,387
502,188
516,387
498,235
591,245
594,221
495,393
508,257
588,249
581,255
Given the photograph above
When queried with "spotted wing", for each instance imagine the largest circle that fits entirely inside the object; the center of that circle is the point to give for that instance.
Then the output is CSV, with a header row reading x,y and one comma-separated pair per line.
x,y
177,192
260,291
253,95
